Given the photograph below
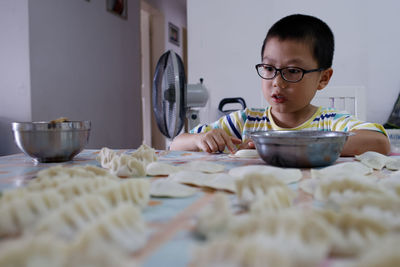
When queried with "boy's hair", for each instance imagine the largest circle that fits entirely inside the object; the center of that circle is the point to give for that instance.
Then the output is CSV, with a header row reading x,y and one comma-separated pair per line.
x,y
309,29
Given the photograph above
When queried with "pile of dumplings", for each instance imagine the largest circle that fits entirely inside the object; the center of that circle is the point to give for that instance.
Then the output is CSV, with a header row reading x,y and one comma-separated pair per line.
x,y
353,213
73,216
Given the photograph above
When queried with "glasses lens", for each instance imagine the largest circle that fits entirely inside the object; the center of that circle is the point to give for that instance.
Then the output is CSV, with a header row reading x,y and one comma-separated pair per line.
x,y
266,71
292,74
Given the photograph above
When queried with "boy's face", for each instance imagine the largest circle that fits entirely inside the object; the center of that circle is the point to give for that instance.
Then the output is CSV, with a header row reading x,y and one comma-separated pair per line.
x,y
287,97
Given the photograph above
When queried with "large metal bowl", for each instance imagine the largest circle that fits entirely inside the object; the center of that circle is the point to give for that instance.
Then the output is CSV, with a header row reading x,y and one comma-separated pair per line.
x,y
51,142
299,149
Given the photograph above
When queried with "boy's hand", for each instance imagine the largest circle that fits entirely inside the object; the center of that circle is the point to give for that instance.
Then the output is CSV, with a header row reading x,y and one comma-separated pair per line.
x,y
216,140
248,144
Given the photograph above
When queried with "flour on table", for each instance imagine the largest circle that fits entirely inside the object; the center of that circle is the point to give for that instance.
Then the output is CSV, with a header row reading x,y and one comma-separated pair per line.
x,y
165,187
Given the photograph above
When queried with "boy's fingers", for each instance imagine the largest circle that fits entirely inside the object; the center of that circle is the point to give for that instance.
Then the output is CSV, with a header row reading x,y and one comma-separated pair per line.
x,y
236,141
221,141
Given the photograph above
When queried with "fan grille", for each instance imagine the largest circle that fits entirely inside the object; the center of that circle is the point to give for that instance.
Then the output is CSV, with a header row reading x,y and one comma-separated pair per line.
x,y
169,94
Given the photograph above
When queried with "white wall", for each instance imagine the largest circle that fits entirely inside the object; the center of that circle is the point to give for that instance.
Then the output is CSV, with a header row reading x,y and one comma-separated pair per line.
x,y
15,102
225,38
175,12
73,59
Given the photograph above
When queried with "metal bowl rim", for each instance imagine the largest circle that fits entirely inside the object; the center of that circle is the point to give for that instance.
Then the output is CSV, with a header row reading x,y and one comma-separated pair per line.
x,y
47,126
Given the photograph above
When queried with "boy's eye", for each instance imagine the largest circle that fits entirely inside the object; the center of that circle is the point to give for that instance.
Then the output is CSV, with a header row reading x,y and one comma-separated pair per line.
x,y
268,68
293,70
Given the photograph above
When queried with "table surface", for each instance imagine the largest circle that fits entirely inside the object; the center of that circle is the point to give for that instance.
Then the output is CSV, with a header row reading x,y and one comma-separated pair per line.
x,y
170,220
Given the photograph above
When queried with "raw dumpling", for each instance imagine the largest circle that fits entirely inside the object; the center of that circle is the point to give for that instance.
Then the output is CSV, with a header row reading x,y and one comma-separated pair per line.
x,y
202,166
122,227
285,175
136,191
373,159
342,169
161,168
145,154
352,232
75,215
169,188
255,185
125,166
338,189
20,214
214,219
58,171
105,157
277,198
33,251
77,187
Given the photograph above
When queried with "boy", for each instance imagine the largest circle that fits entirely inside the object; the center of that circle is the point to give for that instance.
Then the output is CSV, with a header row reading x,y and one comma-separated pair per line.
x,y
297,56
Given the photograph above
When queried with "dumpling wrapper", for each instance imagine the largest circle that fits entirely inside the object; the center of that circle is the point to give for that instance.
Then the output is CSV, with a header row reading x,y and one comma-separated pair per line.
x,y
373,159
342,169
191,177
285,175
169,188
222,181
202,166
160,168
245,153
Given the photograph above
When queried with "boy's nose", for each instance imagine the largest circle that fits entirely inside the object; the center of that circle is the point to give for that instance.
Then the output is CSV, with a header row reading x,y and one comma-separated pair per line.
x,y
278,81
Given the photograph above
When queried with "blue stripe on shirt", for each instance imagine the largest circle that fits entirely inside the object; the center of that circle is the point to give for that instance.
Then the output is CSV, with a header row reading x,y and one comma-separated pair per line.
x,y
257,119
233,127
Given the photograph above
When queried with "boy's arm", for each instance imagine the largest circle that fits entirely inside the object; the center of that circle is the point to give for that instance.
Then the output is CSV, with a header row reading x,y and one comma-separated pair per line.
x,y
212,141
366,140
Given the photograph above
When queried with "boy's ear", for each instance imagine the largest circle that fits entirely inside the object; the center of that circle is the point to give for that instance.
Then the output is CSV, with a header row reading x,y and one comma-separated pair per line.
x,y
325,78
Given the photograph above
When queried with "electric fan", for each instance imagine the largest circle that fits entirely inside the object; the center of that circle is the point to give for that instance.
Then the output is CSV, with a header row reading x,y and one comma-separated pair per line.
x,y
173,99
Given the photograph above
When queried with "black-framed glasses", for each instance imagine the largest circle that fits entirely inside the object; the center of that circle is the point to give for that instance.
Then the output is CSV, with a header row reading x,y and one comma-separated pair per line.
x,y
289,74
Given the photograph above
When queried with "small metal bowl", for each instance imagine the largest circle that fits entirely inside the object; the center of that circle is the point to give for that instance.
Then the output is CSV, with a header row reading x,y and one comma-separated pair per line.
x,y
299,149
51,142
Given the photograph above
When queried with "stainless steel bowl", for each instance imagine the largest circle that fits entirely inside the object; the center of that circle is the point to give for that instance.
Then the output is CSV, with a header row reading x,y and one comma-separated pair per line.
x,y
299,149
51,142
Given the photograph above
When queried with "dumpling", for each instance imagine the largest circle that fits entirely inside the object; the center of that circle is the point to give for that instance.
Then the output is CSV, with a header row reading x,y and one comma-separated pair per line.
x,y
277,198
69,219
342,169
255,185
373,159
285,175
338,189
122,227
136,191
352,232
145,154
125,166
105,157
215,218
21,214
202,166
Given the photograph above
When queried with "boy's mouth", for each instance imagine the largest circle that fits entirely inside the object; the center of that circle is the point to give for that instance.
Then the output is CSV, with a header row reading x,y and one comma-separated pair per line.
x,y
278,98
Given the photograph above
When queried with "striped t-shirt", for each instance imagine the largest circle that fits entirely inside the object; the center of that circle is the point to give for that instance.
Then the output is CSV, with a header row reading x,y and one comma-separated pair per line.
x,y
240,122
